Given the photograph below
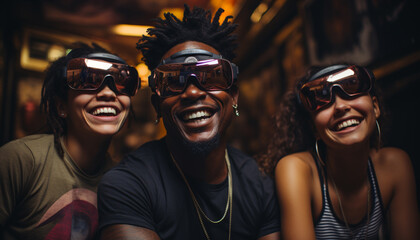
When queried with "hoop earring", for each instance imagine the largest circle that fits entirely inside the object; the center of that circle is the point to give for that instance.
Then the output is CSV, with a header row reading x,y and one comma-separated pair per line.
x,y
235,108
379,134
317,153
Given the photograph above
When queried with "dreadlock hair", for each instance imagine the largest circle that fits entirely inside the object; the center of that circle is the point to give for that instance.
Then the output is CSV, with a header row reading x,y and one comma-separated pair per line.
x,y
294,130
196,25
54,90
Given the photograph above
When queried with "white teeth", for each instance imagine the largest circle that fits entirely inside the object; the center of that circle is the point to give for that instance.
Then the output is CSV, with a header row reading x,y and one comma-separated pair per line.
x,y
195,115
104,110
347,123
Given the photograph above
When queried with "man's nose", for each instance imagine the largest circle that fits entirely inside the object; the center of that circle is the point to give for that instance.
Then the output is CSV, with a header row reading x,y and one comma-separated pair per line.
x,y
193,89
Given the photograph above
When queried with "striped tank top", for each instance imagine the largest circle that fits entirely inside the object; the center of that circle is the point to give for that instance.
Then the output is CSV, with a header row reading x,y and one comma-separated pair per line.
x,y
329,226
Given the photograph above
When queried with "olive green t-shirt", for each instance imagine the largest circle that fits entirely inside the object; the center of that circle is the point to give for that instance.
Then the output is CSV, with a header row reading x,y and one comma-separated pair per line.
x,y
44,196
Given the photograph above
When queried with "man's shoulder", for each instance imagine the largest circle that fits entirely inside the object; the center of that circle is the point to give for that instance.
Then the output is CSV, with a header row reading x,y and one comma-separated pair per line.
x,y
152,149
148,156
144,168
246,165
241,159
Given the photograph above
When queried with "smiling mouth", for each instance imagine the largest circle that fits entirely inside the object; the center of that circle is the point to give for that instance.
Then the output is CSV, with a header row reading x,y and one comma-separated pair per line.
x,y
104,111
196,115
346,124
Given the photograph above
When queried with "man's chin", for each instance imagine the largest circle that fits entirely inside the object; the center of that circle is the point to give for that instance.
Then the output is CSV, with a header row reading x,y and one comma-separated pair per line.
x,y
201,148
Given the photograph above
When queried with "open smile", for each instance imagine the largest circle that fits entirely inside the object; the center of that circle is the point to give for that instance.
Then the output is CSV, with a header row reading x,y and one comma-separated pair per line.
x,y
197,119
198,115
346,124
105,111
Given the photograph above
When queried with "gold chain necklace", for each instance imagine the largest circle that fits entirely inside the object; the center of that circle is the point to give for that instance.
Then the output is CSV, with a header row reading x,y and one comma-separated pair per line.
x,y
342,210
199,210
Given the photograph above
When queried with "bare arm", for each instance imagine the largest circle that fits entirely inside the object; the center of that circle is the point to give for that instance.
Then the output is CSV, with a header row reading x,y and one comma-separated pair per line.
x,y
293,183
127,232
272,236
403,209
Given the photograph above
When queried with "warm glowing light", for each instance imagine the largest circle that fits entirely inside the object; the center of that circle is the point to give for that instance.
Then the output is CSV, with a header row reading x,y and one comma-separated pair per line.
x,y
177,12
98,64
144,73
341,75
230,7
259,12
130,30
55,52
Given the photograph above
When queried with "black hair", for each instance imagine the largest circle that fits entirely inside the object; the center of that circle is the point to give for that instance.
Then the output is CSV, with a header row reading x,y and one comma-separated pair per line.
x,y
196,25
54,89
294,130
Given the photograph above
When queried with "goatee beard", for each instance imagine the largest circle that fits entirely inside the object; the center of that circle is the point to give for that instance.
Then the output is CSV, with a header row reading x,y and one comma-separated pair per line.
x,y
201,149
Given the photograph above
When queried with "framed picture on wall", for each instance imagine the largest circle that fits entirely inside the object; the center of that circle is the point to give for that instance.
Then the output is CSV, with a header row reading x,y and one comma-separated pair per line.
x,y
361,31
339,31
39,48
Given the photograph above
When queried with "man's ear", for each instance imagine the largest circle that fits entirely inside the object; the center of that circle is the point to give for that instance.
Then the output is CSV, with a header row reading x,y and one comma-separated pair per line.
x,y
156,104
234,92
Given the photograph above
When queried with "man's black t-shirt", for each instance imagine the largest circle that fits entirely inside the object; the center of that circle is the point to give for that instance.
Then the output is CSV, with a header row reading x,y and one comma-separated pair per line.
x,y
146,190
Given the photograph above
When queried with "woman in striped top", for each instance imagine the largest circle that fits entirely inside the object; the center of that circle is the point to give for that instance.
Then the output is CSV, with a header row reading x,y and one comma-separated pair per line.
x,y
333,179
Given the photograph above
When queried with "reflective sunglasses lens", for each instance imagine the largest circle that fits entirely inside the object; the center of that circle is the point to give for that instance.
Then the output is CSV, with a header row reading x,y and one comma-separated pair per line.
x,y
89,74
80,77
175,83
168,81
126,81
357,84
216,77
315,94
212,74
314,99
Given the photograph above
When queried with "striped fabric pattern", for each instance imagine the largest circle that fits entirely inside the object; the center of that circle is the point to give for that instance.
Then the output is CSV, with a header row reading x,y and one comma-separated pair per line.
x,y
329,226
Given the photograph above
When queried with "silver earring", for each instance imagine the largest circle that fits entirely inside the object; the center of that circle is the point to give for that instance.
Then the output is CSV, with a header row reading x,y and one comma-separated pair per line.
x,y
235,108
62,115
317,153
379,133
157,121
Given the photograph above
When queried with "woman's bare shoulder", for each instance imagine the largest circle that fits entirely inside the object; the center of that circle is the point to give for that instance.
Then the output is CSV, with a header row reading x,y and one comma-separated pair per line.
x,y
295,163
394,163
390,157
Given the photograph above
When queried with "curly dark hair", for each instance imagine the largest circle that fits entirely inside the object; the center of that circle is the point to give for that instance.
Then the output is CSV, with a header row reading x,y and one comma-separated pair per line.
x,y
293,128
196,25
292,132
54,89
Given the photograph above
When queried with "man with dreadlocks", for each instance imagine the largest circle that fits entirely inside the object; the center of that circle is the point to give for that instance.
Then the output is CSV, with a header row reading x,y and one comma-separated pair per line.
x,y
190,184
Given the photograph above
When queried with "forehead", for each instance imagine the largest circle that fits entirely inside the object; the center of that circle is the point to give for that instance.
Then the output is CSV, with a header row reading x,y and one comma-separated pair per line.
x,y
189,45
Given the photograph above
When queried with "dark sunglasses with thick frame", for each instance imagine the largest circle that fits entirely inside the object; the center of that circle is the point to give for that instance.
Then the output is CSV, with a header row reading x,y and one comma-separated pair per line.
x,y
352,80
209,71
90,72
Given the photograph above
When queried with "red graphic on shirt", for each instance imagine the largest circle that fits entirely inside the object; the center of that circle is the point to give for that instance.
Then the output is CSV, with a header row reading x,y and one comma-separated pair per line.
x,y
74,215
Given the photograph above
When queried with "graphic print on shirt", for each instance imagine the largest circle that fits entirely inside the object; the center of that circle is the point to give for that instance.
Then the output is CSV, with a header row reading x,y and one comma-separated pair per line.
x,y
75,216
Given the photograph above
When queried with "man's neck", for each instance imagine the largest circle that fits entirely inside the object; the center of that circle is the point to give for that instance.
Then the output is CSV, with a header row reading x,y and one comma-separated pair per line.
x,y
210,168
